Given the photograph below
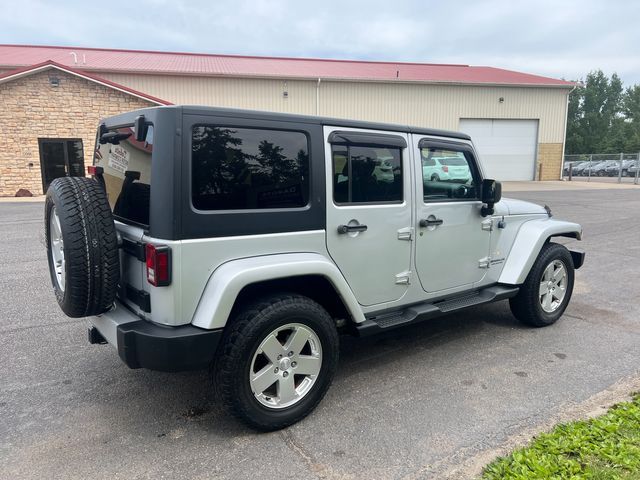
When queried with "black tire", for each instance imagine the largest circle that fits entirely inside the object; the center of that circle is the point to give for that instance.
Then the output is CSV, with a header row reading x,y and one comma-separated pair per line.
x,y
90,246
435,178
249,327
526,306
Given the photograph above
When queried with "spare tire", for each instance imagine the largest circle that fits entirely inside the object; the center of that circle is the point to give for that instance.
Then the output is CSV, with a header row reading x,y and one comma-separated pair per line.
x,y
82,246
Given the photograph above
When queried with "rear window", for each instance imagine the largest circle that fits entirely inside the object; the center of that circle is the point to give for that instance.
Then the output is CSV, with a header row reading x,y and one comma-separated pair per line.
x,y
453,161
248,168
127,174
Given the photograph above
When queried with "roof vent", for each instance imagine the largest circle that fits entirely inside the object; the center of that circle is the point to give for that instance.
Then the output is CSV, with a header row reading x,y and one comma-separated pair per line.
x,y
75,57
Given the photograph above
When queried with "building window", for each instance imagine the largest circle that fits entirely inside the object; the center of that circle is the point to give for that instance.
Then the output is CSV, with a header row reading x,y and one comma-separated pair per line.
x,y
248,168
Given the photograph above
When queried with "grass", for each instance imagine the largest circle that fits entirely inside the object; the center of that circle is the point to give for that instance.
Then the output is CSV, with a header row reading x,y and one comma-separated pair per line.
x,y
603,448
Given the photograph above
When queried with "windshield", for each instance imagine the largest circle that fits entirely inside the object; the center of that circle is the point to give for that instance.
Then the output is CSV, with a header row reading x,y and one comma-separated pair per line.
x,y
127,172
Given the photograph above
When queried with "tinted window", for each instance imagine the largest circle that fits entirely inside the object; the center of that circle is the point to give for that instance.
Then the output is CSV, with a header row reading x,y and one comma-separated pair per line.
x,y
448,175
246,168
366,174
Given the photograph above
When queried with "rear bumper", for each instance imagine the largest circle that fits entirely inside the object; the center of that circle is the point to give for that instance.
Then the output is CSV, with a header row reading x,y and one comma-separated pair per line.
x,y
142,344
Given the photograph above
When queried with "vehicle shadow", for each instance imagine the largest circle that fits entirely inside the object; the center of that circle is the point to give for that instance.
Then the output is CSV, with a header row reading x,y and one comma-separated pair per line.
x,y
183,401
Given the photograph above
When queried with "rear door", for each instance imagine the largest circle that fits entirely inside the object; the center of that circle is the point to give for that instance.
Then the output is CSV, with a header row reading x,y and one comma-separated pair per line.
x,y
369,211
127,177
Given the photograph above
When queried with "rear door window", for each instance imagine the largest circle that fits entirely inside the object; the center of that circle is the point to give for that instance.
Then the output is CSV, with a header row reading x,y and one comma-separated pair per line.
x,y
367,174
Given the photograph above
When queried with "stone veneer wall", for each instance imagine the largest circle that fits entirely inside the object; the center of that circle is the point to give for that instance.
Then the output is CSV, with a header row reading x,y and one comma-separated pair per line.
x,y
30,108
550,157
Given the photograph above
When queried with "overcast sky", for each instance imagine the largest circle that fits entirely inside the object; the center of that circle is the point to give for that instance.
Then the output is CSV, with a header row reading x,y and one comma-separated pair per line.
x,y
562,39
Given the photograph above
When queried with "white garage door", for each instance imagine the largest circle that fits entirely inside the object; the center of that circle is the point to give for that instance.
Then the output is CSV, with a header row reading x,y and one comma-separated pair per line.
x,y
507,148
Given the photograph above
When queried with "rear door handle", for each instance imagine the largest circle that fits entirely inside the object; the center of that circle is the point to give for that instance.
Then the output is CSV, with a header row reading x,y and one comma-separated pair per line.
x,y
342,229
431,222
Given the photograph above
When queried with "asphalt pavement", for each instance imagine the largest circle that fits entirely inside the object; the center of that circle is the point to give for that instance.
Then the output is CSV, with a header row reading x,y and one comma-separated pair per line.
x,y
411,404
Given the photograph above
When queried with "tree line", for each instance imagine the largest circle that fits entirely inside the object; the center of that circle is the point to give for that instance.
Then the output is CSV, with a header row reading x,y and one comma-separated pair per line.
x,y
603,116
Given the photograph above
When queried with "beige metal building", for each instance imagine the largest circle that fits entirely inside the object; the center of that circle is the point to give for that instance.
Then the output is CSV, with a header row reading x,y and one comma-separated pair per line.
x,y
53,97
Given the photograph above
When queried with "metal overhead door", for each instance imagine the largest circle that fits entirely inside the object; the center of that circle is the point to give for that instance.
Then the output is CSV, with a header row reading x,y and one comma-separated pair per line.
x,y
507,148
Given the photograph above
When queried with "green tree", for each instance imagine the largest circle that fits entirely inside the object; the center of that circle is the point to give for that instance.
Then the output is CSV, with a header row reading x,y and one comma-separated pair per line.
x,y
595,121
631,111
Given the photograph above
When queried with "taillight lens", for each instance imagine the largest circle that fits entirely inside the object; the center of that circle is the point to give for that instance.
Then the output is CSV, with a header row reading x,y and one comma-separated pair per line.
x,y
445,168
158,259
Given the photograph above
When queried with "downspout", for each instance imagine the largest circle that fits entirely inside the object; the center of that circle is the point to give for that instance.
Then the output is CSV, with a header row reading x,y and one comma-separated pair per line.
x,y
318,96
564,140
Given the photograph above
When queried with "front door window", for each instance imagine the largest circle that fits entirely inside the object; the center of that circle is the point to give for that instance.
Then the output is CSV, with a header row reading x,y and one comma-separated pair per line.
x,y
60,158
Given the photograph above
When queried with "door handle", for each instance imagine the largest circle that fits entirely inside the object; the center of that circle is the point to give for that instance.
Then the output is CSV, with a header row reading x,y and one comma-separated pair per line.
x,y
431,222
351,228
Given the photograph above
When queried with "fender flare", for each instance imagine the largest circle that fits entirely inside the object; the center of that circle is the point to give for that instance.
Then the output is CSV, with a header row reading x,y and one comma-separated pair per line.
x,y
528,243
230,278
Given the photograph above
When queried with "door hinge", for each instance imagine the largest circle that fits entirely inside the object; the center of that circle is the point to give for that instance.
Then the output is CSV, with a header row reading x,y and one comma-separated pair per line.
x,y
487,224
405,233
403,278
484,262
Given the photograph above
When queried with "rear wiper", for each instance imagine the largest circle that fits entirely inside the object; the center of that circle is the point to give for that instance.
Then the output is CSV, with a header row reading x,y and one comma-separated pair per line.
x,y
113,137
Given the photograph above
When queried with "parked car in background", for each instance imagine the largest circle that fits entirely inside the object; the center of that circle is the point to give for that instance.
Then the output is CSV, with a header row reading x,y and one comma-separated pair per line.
x,y
614,170
451,168
596,169
384,169
633,169
580,168
571,166
600,169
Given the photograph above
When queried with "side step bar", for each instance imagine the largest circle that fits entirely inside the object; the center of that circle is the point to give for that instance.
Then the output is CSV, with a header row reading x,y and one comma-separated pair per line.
x,y
425,311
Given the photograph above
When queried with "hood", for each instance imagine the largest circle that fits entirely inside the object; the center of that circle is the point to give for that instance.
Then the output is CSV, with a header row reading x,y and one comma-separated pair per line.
x,y
511,206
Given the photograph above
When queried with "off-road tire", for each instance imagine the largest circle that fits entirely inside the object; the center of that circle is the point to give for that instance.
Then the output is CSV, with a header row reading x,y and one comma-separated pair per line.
x,y
526,306
243,335
90,246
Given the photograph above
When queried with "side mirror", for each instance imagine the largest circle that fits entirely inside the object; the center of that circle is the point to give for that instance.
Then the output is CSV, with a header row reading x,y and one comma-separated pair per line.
x,y
490,193
140,128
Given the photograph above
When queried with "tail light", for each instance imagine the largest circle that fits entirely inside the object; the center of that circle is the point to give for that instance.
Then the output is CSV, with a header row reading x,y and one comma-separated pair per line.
x,y
445,168
158,259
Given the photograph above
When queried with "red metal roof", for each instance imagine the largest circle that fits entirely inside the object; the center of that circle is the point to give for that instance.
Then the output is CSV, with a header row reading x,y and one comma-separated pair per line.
x,y
167,63
24,71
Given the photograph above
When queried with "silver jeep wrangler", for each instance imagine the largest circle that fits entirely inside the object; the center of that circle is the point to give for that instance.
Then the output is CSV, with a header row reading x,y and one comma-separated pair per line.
x,y
246,241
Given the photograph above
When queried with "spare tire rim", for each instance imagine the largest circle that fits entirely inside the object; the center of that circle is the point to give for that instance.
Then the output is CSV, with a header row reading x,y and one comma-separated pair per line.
x,y
553,286
57,249
285,366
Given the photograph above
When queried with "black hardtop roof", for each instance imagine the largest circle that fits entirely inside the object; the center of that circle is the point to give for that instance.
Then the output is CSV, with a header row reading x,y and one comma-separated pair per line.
x,y
289,117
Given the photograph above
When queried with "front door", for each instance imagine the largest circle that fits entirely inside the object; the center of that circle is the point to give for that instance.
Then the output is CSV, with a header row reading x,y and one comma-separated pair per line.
x,y
453,239
60,158
369,211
